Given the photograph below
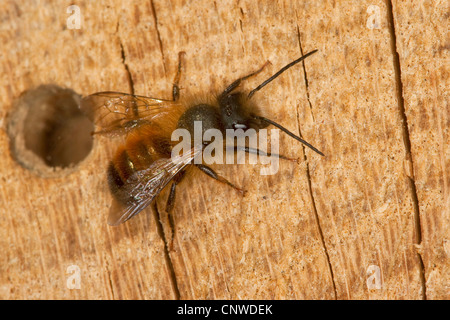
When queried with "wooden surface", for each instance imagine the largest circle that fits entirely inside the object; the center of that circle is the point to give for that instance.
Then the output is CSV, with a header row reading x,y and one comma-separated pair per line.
x,y
375,102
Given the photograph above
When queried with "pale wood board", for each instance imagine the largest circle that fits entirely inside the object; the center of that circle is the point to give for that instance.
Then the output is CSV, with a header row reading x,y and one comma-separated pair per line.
x,y
423,45
315,230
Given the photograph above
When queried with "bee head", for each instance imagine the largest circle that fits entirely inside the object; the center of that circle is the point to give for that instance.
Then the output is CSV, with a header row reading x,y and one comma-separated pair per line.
x,y
236,112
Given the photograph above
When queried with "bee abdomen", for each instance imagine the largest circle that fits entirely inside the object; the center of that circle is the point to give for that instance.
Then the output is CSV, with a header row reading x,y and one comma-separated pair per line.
x,y
144,149
120,170
117,185
137,154
141,154
115,181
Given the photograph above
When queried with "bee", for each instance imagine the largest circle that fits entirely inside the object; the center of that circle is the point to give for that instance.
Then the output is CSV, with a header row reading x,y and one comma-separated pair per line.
x,y
142,166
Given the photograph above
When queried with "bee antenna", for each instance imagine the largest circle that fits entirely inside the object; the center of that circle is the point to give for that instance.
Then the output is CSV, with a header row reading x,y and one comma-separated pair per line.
x,y
288,132
279,72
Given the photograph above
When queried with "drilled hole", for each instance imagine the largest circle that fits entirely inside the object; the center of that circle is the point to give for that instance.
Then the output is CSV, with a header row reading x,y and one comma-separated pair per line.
x,y
49,134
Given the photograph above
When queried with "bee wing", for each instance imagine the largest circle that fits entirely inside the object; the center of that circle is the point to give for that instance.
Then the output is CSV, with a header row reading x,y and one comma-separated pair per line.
x,y
117,113
146,184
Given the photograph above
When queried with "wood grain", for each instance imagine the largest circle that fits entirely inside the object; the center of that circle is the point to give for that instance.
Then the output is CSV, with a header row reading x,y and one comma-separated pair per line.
x,y
320,229
424,60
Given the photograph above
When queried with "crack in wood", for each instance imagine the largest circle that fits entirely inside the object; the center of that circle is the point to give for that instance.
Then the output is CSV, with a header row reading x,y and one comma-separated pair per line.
x,y
156,211
406,141
167,257
159,36
308,174
110,283
127,69
157,215
305,75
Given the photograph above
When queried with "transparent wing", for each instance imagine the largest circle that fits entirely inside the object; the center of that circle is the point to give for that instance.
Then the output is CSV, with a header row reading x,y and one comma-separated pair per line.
x,y
146,184
117,112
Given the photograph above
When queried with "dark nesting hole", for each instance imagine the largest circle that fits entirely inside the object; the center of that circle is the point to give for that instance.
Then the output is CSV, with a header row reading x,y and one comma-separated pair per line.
x,y
48,131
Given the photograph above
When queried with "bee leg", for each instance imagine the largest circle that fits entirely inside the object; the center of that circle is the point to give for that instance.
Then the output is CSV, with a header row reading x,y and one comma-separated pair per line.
x,y
210,172
236,83
262,153
171,202
176,80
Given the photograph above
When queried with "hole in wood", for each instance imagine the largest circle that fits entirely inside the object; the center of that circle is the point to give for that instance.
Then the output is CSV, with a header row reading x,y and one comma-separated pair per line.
x,y
49,134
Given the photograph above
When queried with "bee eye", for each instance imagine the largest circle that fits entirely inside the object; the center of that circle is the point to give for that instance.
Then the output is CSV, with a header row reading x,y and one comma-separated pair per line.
x,y
239,126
